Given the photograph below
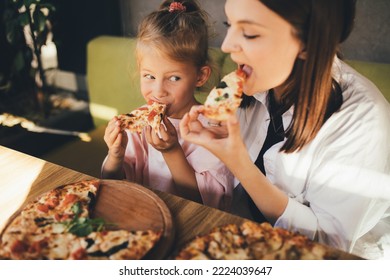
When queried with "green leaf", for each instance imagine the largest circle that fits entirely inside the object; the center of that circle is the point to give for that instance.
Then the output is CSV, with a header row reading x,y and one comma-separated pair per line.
x,y
81,229
23,19
39,20
19,3
76,209
82,226
18,63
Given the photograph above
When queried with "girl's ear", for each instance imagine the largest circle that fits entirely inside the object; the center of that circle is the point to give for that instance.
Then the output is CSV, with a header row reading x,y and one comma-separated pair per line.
x,y
203,75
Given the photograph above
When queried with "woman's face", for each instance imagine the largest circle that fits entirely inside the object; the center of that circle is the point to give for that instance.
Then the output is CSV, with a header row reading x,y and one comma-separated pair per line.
x,y
261,42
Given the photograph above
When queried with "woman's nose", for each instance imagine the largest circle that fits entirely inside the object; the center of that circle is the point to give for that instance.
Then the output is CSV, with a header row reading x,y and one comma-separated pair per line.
x,y
229,44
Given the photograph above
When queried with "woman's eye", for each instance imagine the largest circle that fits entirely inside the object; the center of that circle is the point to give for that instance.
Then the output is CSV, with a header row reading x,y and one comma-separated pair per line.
x,y
227,24
251,36
174,78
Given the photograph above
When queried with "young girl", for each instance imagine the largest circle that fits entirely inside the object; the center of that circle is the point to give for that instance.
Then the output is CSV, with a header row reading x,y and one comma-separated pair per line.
x,y
172,53
312,134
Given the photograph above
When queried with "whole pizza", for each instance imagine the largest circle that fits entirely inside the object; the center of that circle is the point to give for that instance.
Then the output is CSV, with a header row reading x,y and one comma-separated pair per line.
x,y
254,241
58,225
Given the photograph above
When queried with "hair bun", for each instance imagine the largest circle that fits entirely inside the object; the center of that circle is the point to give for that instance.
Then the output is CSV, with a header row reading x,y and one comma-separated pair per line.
x,y
176,7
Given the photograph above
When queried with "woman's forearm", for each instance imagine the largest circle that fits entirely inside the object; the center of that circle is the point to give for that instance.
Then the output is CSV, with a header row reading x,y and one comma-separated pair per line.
x,y
270,200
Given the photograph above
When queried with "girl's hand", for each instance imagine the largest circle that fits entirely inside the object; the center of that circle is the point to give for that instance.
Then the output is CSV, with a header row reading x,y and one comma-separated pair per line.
x,y
226,145
168,139
115,139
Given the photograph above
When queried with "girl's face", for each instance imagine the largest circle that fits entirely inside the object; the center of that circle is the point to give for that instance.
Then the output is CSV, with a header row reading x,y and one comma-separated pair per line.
x,y
261,42
170,82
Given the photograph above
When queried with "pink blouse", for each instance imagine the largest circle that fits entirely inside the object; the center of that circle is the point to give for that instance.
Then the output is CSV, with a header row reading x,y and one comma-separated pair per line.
x,y
145,165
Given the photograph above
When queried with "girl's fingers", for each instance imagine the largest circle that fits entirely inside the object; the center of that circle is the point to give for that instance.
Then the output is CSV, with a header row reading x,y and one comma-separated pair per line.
x,y
164,133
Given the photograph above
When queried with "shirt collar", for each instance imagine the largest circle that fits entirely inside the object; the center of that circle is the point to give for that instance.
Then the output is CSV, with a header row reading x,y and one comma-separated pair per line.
x,y
262,97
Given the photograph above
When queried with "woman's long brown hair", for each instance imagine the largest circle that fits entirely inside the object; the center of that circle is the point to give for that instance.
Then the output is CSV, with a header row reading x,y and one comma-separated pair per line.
x,y
321,25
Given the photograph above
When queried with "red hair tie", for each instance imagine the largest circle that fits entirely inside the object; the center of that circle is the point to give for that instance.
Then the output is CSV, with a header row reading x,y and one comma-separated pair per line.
x,y
176,6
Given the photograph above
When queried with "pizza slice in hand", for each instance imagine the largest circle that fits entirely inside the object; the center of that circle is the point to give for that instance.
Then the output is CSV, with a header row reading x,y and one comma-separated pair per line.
x,y
224,99
148,115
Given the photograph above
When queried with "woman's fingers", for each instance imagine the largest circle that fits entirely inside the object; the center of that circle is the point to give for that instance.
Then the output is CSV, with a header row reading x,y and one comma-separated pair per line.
x,y
233,127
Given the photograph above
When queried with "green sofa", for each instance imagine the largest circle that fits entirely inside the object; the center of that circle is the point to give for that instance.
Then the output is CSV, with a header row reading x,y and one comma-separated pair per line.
x,y
113,81
113,88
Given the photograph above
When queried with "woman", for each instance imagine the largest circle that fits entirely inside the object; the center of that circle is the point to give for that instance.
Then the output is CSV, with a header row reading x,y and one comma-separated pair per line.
x,y
312,134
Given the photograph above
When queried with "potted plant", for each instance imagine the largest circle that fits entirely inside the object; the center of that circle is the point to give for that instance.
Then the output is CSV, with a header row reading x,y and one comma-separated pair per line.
x,y
25,28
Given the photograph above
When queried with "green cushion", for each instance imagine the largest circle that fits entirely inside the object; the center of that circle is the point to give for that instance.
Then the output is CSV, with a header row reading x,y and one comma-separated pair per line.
x,y
378,73
112,76
113,80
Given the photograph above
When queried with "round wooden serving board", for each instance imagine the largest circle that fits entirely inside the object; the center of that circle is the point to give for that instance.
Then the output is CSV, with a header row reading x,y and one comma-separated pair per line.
x,y
133,207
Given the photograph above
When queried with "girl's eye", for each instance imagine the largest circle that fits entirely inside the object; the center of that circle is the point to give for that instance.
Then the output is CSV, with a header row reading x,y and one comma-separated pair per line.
x,y
174,78
148,76
227,24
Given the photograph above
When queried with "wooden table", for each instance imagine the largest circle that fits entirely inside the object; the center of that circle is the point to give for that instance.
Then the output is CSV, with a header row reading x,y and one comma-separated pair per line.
x,y
23,177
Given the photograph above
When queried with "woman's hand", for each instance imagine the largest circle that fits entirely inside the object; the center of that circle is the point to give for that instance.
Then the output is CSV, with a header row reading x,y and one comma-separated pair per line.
x,y
166,141
115,139
225,143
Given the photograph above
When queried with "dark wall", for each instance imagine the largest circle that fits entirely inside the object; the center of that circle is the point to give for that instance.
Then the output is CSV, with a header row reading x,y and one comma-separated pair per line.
x,y
78,21
370,40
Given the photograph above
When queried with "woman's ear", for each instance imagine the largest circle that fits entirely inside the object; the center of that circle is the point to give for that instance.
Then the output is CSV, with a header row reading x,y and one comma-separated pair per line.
x,y
203,75
302,53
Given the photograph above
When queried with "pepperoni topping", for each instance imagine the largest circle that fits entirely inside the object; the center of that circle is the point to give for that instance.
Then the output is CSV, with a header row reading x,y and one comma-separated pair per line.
x,y
61,217
69,198
79,254
43,208
19,247
53,202
151,116
37,246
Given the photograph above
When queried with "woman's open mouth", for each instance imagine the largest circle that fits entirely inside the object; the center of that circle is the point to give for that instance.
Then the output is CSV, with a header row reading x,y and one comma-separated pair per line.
x,y
246,69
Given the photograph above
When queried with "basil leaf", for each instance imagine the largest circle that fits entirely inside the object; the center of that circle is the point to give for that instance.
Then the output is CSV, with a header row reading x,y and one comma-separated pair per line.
x,y
81,229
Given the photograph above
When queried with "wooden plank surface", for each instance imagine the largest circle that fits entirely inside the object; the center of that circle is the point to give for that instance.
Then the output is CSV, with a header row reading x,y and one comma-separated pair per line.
x,y
23,177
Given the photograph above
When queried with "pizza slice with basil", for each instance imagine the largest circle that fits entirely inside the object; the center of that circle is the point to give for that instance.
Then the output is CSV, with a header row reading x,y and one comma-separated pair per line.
x,y
224,99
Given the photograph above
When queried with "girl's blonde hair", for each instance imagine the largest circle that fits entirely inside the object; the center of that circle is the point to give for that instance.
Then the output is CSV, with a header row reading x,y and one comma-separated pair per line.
x,y
180,34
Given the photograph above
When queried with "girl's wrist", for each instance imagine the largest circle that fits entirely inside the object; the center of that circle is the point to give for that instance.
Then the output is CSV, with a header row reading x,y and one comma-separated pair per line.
x,y
171,150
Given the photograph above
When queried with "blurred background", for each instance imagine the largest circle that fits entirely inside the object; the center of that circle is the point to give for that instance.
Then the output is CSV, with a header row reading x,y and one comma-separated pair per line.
x,y
56,74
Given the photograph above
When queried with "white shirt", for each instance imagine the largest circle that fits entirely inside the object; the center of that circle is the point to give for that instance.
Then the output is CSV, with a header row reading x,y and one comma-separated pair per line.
x,y
338,185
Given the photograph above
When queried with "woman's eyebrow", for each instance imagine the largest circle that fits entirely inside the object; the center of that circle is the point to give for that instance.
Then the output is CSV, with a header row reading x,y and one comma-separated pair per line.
x,y
245,21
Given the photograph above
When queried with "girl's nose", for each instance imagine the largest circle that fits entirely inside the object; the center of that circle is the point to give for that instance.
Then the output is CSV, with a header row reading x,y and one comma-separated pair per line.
x,y
159,90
